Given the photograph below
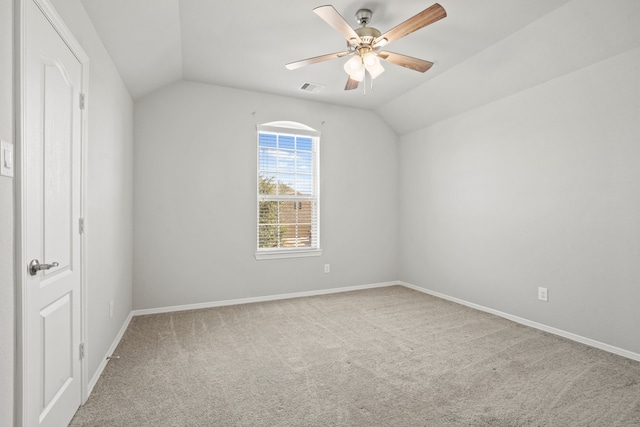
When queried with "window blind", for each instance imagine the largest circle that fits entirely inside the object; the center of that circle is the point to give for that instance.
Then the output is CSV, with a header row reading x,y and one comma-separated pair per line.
x,y
288,190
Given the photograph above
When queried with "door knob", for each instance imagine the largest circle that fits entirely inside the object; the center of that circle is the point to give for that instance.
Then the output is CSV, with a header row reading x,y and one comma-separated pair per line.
x,y
35,266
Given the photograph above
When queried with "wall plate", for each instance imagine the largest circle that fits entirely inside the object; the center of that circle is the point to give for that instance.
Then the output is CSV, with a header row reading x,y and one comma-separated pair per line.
x,y
543,294
7,159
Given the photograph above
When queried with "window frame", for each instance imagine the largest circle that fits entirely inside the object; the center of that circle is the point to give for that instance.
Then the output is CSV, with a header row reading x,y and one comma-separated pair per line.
x,y
295,129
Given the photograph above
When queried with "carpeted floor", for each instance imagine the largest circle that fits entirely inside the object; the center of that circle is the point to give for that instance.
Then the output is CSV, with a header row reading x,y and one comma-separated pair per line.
x,y
380,357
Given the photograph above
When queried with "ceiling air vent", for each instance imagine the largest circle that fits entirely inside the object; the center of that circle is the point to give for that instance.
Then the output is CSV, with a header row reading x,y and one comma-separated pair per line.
x,y
312,87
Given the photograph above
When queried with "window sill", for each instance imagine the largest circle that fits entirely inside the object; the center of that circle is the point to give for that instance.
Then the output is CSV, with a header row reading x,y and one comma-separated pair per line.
x,y
288,254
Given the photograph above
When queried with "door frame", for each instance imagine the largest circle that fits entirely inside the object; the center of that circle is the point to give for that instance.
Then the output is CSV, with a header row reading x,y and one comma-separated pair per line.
x,y
21,260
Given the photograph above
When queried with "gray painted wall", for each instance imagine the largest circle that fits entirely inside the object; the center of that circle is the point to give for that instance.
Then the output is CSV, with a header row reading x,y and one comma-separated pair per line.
x,y
195,197
109,203
7,290
541,188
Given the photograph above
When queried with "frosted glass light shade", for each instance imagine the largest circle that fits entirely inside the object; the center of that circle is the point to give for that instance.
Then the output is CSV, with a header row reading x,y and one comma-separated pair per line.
x,y
375,70
358,75
372,64
355,68
370,59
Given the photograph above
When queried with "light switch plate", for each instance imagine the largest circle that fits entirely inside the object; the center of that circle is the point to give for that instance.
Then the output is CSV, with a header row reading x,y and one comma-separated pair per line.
x,y
7,160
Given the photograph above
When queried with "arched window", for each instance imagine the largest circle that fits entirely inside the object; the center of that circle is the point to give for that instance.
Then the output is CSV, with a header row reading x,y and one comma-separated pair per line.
x,y
288,202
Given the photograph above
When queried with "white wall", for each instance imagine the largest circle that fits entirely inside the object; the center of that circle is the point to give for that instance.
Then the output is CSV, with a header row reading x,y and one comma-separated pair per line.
x,y
7,289
109,204
541,188
195,197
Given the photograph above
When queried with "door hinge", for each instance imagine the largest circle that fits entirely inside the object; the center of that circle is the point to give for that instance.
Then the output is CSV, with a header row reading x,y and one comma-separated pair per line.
x,y
81,225
82,350
82,101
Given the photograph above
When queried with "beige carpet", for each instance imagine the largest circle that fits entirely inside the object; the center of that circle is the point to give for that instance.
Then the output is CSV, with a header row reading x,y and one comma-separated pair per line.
x,y
380,357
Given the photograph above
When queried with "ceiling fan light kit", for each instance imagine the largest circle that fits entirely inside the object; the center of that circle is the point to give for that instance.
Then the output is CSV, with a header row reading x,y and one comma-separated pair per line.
x,y
357,65
364,43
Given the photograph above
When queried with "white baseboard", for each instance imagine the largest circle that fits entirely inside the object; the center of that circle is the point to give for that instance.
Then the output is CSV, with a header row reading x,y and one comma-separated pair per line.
x,y
526,322
113,347
116,341
536,325
258,299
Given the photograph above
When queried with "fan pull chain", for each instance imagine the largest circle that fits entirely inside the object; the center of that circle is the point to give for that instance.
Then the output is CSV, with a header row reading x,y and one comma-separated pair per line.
x,y
364,84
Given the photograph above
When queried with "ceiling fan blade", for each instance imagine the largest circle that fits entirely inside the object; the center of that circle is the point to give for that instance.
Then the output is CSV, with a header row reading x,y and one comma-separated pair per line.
x,y
406,61
333,18
351,84
309,61
422,19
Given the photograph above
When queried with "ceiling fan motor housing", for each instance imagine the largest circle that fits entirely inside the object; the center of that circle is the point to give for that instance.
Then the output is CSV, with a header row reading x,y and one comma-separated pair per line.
x,y
367,35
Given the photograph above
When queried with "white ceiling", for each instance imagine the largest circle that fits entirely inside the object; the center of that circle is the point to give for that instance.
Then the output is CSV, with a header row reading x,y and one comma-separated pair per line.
x,y
245,44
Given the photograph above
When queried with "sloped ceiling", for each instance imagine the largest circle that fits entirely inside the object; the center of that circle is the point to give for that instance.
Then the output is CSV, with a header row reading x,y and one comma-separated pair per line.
x,y
482,50
577,35
245,44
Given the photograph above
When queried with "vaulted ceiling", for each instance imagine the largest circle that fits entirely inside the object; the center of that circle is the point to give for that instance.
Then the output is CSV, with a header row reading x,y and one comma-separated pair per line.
x,y
246,44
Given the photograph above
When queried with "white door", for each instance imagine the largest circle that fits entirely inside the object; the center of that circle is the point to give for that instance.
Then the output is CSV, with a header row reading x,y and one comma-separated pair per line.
x,y
51,199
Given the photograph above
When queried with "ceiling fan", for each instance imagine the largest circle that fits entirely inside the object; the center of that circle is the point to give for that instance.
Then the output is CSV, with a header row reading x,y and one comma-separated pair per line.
x,y
364,43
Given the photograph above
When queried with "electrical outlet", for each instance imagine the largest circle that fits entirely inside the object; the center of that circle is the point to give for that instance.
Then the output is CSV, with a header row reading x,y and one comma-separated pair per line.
x,y
543,294
111,309
327,268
